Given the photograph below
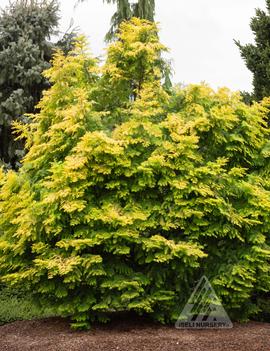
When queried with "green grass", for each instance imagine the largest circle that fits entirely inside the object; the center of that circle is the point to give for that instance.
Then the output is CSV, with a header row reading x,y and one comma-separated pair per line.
x,y
15,305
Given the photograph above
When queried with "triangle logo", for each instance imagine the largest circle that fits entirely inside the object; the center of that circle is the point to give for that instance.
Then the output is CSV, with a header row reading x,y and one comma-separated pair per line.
x,y
203,310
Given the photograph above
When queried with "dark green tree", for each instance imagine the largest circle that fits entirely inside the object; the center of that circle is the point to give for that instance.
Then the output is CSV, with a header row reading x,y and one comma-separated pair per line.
x,y
25,52
257,55
144,9
123,12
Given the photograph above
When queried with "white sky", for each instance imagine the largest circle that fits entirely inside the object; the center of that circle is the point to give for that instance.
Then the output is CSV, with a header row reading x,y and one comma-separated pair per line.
x,y
199,34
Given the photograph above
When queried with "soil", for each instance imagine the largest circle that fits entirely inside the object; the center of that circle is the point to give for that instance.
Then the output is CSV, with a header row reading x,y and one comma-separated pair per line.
x,y
130,335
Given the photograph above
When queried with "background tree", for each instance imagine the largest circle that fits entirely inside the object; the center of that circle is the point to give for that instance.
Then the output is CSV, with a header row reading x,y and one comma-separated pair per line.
x,y
144,9
123,12
257,55
25,52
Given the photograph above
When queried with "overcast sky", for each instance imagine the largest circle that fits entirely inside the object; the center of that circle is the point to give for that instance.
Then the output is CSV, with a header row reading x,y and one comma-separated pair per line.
x,y
199,34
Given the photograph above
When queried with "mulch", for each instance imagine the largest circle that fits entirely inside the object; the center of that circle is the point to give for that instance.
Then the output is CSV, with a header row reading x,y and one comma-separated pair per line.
x,y
124,334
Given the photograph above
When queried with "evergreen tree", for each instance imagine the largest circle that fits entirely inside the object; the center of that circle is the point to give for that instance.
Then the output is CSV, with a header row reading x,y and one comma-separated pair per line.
x,y
25,28
144,9
128,195
257,55
123,13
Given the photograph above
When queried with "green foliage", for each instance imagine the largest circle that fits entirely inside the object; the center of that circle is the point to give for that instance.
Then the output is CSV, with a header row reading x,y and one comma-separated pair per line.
x,y
16,305
25,52
128,195
256,55
123,13
143,9
264,305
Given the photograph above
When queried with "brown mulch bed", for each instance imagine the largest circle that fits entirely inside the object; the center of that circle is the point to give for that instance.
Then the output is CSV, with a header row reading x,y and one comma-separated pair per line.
x,y
130,335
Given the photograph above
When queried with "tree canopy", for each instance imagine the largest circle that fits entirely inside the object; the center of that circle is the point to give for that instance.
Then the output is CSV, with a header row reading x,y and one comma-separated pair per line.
x,y
144,9
257,55
26,27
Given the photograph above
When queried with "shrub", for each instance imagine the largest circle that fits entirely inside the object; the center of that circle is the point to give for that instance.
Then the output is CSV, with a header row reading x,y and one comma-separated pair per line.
x,y
128,195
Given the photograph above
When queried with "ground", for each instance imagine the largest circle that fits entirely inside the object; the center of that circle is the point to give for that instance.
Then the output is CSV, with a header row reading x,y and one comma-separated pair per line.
x,y
130,335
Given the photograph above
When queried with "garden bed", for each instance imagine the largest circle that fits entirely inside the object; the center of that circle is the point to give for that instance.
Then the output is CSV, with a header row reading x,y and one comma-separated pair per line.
x,y
130,335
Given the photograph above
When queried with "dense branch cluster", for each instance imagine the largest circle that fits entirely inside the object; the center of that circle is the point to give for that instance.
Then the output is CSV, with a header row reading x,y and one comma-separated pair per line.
x,y
123,203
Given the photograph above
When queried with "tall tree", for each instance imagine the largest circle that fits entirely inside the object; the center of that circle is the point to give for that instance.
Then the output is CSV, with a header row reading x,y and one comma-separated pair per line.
x,y
144,9
25,52
257,55
123,12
